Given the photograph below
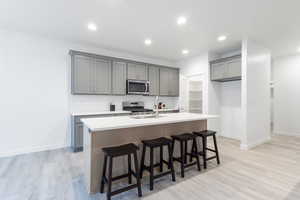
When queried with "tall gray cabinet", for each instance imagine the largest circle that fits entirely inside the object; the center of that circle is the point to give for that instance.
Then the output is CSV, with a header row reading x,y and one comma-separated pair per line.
x,y
101,76
81,74
119,78
169,82
153,73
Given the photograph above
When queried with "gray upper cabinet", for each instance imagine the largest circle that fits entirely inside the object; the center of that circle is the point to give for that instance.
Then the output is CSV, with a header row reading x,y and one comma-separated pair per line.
x,y
174,82
226,69
102,76
82,68
153,73
163,82
218,71
169,82
234,68
90,75
119,78
137,71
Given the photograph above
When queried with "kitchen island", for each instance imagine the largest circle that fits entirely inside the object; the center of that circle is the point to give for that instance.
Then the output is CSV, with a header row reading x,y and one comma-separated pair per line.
x,y
112,131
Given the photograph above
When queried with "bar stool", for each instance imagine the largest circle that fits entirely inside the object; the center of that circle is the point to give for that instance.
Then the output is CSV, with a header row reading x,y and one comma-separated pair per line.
x,y
204,135
152,144
112,152
183,139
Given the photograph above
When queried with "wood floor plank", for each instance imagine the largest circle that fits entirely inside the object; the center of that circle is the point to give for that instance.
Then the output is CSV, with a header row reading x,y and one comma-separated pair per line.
x,y
268,172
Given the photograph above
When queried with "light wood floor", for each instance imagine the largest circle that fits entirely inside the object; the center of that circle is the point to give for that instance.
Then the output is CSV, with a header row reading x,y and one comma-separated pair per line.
x,y
270,171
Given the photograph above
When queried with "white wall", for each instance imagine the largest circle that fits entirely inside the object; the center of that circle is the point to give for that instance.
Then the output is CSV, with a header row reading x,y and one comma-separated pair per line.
x,y
200,65
226,101
256,72
35,92
231,110
286,73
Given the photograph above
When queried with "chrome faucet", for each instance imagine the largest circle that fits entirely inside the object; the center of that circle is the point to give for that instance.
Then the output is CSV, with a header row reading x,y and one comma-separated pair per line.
x,y
156,106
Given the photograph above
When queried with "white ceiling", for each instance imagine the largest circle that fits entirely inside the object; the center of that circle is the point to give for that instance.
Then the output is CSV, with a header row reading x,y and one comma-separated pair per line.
x,y
124,24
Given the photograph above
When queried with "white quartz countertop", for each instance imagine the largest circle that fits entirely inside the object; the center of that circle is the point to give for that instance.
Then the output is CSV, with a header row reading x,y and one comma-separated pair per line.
x,y
100,113
118,122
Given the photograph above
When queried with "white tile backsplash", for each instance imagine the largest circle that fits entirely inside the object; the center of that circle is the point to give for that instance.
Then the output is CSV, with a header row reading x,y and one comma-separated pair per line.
x,y
93,103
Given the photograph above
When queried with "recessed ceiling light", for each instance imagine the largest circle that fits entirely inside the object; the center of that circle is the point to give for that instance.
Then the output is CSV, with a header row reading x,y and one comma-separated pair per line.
x,y
148,42
185,51
181,20
222,38
92,27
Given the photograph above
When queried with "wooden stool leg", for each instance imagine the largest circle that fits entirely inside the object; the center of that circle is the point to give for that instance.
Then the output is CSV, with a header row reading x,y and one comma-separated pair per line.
x,y
171,165
151,169
196,154
172,148
182,156
192,151
185,151
109,177
138,180
161,152
204,146
143,161
129,169
103,174
216,149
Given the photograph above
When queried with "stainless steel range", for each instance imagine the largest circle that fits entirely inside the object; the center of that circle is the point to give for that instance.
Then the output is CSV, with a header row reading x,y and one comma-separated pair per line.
x,y
135,107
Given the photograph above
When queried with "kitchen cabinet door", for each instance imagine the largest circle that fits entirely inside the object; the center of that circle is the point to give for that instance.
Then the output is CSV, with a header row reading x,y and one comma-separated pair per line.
x,y
154,80
169,82
82,75
234,68
142,72
218,71
119,78
137,71
102,76
163,82
174,82
78,140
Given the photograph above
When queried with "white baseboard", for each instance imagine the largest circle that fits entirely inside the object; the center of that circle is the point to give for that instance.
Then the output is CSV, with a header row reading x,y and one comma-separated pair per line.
x,y
244,146
286,133
31,150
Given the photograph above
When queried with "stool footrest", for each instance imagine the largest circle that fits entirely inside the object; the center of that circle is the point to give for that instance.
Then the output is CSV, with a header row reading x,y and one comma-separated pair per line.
x,y
210,158
120,177
155,165
162,174
210,149
124,189
190,164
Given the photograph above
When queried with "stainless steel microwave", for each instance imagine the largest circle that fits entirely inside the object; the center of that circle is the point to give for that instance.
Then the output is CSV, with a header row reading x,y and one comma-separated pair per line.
x,y
138,87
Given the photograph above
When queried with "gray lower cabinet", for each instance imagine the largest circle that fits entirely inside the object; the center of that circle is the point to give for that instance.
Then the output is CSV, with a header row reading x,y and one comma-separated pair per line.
x,y
119,78
169,82
137,71
153,73
90,75
226,69
77,130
